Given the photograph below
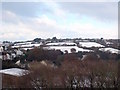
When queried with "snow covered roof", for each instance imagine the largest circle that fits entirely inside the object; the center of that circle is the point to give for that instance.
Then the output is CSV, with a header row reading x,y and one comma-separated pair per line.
x,y
68,48
14,71
112,50
1,49
90,44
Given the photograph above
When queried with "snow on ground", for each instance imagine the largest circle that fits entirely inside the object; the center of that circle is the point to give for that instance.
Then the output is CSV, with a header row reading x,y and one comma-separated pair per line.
x,y
14,71
61,44
27,48
27,45
112,50
31,45
90,44
15,46
108,42
68,48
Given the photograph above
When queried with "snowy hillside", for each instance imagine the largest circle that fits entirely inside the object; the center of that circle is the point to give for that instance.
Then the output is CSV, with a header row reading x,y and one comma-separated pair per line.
x,y
112,50
61,44
68,48
90,44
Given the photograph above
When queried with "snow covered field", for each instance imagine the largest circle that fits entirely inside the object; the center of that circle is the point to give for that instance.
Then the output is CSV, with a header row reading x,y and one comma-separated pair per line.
x,y
61,44
112,50
90,44
14,71
27,48
27,45
68,48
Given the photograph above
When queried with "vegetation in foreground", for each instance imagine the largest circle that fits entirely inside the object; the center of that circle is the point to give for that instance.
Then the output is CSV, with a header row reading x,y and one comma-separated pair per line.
x,y
53,69
71,74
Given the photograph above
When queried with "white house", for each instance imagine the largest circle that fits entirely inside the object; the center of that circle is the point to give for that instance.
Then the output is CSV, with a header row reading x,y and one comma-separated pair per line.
x,y
18,52
1,49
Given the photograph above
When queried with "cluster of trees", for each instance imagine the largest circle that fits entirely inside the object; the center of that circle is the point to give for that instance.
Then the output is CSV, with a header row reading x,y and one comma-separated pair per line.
x,y
9,64
57,56
39,54
71,74
108,55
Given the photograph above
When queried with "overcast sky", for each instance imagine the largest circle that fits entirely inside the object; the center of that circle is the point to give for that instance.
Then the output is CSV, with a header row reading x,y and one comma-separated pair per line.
x,y
29,20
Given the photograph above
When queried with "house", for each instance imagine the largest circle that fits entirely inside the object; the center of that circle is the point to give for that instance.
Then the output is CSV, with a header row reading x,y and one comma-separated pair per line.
x,y
18,52
1,49
6,56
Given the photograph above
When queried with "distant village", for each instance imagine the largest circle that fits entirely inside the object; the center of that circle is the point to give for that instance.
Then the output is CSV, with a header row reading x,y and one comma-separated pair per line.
x,y
10,50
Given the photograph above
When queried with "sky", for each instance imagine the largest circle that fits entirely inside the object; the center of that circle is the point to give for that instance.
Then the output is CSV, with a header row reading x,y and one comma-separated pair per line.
x,y
29,20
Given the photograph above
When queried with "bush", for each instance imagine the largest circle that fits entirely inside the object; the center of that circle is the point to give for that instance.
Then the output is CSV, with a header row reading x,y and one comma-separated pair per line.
x,y
8,64
39,54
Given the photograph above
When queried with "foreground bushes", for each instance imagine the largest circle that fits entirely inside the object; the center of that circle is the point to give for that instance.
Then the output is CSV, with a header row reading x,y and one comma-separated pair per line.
x,y
39,54
71,74
8,64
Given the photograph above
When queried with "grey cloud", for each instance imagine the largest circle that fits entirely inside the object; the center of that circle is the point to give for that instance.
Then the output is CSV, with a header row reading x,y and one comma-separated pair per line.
x,y
100,10
27,9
